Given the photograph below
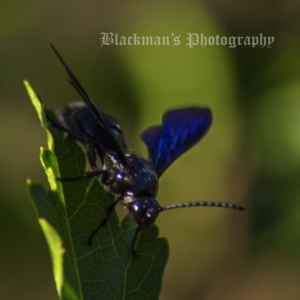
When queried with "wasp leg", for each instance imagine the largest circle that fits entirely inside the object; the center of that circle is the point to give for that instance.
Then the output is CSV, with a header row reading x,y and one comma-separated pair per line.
x,y
108,212
133,242
85,139
83,176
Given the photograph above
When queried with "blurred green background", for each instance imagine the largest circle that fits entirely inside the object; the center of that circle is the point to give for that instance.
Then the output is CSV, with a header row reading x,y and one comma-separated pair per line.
x,y
251,155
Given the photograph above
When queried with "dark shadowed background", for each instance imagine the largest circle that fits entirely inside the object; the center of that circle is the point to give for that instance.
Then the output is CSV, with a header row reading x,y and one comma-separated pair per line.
x,y
251,155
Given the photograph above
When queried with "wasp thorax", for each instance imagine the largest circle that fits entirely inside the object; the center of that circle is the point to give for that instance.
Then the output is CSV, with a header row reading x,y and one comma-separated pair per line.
x,y
137,177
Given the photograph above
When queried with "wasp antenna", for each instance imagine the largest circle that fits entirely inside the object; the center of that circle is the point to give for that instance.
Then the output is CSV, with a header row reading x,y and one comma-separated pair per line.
x,y
74,81
88,101
201,203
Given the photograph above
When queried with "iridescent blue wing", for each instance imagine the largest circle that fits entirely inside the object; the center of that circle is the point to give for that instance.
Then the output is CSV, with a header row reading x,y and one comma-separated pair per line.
x,y
180,130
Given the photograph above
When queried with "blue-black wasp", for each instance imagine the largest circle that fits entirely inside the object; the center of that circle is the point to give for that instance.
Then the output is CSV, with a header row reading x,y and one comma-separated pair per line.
x,y
132,178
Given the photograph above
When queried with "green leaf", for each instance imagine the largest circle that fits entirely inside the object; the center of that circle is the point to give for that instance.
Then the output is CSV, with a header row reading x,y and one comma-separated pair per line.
x,y
69,212
57,251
